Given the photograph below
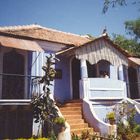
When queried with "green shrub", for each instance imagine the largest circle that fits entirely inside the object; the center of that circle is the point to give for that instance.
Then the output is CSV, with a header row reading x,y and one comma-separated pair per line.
x,y
137,129
111,115
59,120
33,139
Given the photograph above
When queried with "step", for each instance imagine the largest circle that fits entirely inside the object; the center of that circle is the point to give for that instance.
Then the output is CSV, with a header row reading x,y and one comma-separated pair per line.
x,y
73,105
80,130
74,121
79,125
68,117
70,108
74,101
66,112
72,112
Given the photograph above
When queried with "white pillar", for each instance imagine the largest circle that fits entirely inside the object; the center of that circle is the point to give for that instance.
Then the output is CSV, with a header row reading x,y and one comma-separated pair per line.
x,y
138,77
121,73
113,72
84,73
1,71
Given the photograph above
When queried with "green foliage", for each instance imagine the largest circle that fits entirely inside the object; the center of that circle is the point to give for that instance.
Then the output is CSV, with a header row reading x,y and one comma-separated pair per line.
x,y
137,129
90,36
126,129
110,115
59,120
50,138
85,135
75,137
114,3
133,28
131,45
33,139
44,109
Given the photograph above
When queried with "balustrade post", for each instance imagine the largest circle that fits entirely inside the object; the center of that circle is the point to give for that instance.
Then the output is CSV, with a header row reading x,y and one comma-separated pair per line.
x,y
84,73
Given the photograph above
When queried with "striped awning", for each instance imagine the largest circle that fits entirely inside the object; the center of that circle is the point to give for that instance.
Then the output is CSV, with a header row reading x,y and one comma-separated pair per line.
x,y
17,43
101,50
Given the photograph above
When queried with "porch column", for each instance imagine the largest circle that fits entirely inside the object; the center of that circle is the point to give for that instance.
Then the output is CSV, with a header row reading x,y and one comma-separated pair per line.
x,y
113,72
121,73
1,66
84,73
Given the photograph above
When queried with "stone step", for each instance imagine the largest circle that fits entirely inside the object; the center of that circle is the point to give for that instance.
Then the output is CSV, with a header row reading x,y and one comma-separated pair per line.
x,y
72,112
78,125
73,105
69,117
67,112
74,121
74,101
80,130
70,108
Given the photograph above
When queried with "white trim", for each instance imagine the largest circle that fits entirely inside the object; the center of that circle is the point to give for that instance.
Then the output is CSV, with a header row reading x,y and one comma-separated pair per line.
x,y
15,102
106,98
1,69
104,89
138,79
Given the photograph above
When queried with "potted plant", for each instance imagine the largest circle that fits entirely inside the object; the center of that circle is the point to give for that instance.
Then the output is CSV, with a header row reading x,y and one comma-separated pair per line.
x,y
59,125
111,117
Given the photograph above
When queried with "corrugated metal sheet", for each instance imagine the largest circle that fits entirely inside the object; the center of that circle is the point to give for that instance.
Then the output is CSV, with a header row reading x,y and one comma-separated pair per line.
x,y
19,44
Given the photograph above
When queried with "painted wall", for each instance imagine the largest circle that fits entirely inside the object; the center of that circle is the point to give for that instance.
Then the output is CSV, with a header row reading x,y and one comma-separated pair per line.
x,y
38,60
62,86
107,88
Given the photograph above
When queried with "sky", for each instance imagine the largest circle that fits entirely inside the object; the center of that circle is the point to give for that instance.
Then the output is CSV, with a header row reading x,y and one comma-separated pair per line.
x,y
74,16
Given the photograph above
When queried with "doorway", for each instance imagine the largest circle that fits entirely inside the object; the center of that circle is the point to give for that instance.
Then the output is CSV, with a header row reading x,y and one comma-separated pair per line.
x,y
103,68
75,78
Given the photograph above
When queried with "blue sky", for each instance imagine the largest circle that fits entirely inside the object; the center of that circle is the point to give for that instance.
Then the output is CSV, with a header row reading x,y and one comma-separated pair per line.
x,y
75,16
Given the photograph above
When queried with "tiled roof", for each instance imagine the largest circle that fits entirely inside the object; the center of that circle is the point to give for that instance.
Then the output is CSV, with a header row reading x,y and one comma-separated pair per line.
x,y
47,34
106,37
136,60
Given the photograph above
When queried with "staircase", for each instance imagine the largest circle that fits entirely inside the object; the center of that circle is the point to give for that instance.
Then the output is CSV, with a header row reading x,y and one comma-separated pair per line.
x,y
72,112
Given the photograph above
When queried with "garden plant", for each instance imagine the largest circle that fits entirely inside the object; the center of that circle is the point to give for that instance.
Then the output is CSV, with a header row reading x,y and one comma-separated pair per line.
x,y
44,108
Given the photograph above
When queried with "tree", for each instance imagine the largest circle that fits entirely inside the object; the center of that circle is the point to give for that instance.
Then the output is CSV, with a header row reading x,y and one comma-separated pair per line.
x,y
131,45
44,108
113,3
133,28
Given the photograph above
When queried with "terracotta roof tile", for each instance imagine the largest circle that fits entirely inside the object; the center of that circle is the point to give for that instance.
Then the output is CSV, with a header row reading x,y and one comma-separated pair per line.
x,y
42,33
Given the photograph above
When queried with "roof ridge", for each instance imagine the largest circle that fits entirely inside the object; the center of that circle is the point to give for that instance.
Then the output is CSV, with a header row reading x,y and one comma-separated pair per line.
x,y
30,26
19,27
55,30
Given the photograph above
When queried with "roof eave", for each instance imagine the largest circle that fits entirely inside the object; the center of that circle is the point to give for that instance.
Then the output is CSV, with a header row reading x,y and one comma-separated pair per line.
x,y
31,38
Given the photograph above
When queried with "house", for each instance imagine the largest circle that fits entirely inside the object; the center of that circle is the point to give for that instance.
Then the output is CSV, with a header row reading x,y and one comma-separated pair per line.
x,y
83,62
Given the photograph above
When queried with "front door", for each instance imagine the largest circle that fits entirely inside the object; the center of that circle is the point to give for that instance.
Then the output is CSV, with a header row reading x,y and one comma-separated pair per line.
x,y
75,77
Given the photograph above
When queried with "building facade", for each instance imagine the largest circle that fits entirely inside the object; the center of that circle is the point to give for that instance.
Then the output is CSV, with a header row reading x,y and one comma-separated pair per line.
x,y
96,71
